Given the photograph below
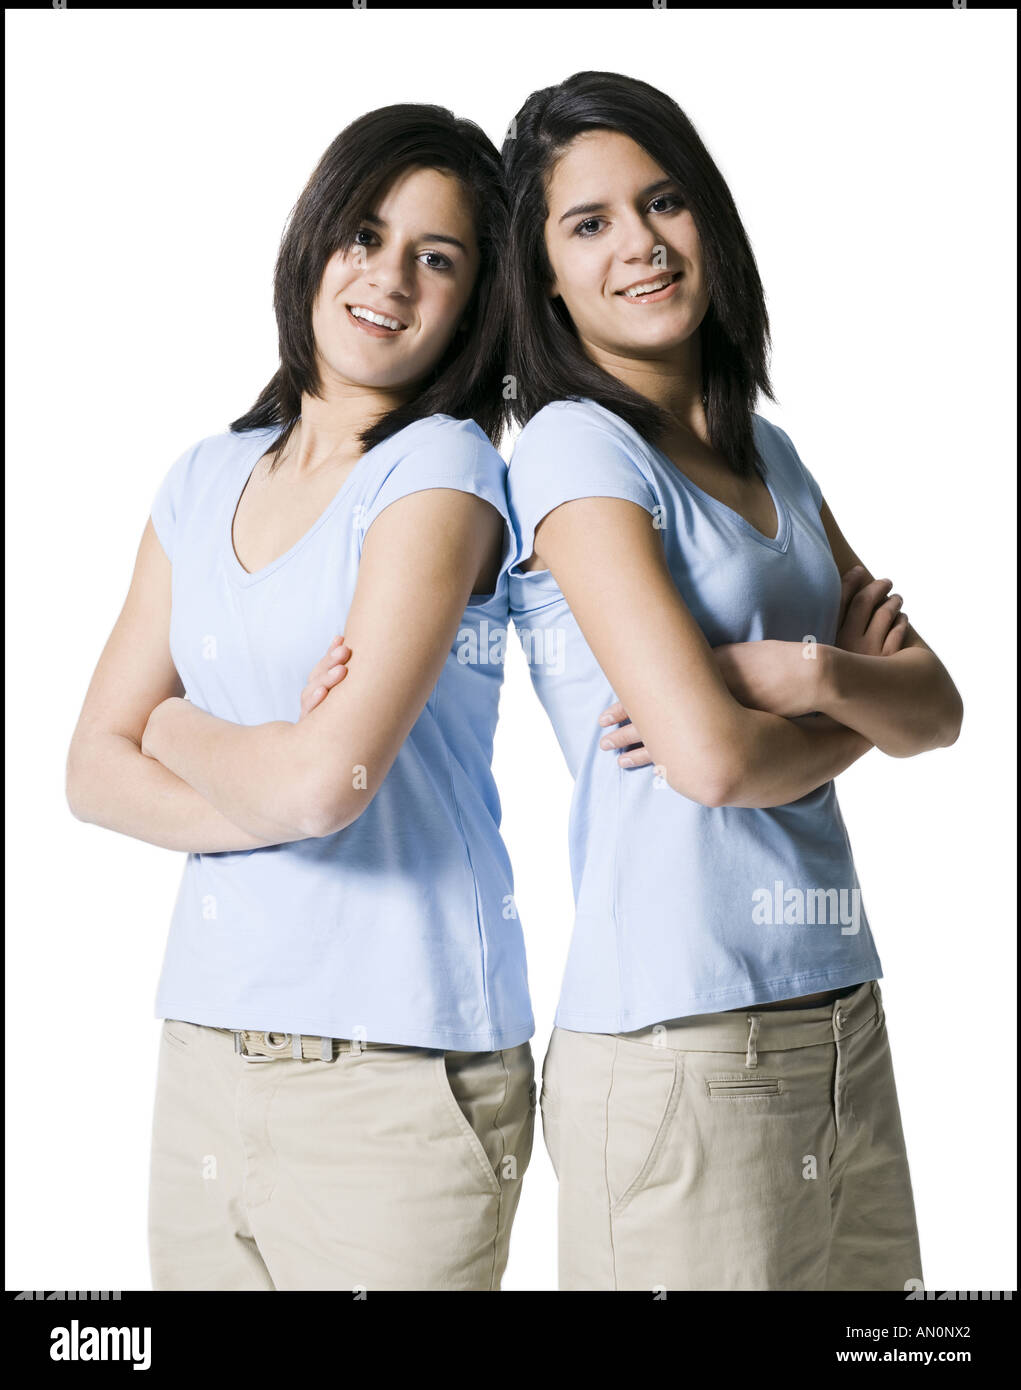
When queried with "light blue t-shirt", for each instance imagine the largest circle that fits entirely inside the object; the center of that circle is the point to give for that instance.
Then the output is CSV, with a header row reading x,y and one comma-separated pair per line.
x,y
681,908
401,927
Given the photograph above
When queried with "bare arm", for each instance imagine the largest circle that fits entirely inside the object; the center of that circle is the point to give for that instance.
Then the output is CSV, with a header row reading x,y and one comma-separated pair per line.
x,y
905,703
878,678
419,563
109,781
609,563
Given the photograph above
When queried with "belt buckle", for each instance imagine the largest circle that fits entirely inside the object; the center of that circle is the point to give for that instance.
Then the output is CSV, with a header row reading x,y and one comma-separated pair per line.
x,y
239,1048
290,1040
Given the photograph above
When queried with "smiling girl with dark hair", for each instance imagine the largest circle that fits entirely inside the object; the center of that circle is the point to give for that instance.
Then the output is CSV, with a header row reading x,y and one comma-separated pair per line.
x,y
718,1096
345,1094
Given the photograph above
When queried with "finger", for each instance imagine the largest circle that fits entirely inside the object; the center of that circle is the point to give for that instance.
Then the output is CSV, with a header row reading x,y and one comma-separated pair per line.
x,y
883,618
311,696
334,675
895,637
864,603
620,738
339,652
616,714
850,582
638,757
337,645
320,688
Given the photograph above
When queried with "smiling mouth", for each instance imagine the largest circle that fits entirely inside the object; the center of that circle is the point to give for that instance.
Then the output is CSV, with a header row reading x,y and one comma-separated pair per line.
x,y
369,317
651,289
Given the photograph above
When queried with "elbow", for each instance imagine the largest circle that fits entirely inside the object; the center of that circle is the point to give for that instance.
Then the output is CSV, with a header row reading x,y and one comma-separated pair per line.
x,y
941,729
718,782
954,720
317,819
325,811
322,797
946,730
75,801
76,787
723,788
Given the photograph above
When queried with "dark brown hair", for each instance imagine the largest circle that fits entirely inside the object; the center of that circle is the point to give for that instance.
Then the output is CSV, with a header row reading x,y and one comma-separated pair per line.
x,y
350,178
545,356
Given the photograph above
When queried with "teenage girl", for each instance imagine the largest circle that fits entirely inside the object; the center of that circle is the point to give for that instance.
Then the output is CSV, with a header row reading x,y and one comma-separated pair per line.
x,y
718,1096
345,1092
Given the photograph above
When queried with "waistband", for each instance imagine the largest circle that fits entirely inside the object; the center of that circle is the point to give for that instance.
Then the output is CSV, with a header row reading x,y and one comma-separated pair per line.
x,y
769,1030
254,1046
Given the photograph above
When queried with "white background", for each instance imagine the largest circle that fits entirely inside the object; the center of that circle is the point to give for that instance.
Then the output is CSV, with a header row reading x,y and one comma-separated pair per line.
x,y
152,160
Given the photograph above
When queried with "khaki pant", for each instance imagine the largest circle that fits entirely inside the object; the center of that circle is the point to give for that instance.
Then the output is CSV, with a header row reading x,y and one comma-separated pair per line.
x,y
732,1151
385,1168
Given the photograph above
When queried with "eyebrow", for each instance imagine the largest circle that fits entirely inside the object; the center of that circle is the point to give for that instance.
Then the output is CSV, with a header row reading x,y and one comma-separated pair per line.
x,y
589,208
426,236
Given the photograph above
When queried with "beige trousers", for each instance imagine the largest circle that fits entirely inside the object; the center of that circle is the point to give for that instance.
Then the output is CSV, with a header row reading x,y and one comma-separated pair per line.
x,y
385,1168
732,1151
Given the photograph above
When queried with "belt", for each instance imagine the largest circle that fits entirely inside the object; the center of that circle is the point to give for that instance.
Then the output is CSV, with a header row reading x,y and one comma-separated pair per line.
x,y
303,1047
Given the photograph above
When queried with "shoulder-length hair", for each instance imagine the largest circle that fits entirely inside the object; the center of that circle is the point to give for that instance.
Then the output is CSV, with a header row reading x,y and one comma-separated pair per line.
x,y
350,178
545,356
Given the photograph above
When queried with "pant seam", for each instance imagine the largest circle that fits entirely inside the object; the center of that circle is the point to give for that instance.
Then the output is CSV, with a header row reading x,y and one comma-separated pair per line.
x,y
500,1200
606,1168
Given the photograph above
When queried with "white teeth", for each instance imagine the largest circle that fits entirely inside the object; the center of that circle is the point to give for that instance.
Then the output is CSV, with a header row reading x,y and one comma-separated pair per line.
x,y
650,288
370,317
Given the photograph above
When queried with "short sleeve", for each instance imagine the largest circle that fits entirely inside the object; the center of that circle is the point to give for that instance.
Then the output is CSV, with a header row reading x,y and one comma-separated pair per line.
x,y
167,502
810,483
441,453
565,452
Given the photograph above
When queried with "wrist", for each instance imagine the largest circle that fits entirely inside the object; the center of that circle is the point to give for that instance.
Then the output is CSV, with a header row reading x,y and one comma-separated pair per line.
x,y
827,668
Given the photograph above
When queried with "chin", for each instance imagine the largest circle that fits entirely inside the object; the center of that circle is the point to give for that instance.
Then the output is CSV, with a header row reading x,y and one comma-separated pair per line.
x,y
364,371
663,340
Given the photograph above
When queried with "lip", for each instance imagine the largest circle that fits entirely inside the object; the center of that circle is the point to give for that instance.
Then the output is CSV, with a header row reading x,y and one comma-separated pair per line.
x,y
664,293
373,329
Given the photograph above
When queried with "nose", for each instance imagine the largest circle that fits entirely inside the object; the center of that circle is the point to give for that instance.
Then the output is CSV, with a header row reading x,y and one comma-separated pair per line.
x,y
389,272
637,240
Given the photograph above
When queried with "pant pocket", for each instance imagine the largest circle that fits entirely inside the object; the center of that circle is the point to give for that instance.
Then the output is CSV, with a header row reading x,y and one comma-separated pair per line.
x,y
644,1093
488,1096
549,1123
178,1034
742,1087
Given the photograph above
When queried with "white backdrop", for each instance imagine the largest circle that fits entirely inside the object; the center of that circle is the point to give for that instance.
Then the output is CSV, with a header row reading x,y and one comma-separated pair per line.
x,y
152,160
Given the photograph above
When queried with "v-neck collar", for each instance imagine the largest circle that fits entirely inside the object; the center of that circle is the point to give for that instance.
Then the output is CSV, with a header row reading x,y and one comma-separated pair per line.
x,y
247,461
778,542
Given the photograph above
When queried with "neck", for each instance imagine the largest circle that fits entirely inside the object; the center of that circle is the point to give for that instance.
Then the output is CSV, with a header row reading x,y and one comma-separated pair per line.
x,y
673,381
327,433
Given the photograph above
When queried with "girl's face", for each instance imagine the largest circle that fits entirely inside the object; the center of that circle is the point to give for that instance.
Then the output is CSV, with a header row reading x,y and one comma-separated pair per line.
x,y
618,222
412,265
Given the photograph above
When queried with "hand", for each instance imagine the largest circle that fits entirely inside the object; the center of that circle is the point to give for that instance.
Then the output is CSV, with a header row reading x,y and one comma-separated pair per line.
x,y
871,624
156,725
327,673
626,738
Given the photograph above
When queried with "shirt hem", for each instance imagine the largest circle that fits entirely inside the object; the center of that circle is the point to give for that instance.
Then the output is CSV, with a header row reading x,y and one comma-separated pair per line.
x,y
399,1034
737,997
